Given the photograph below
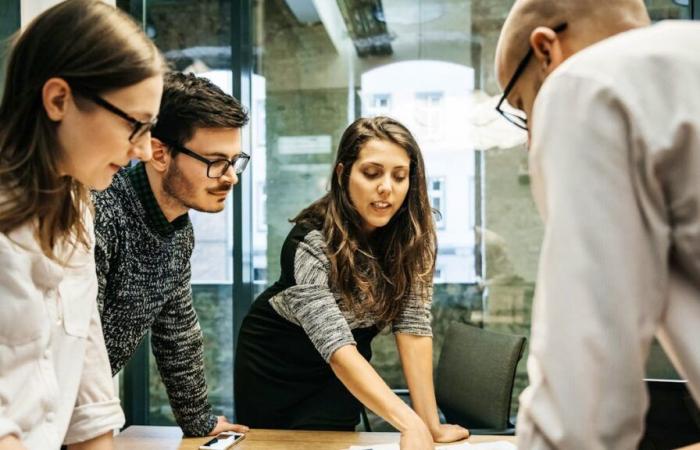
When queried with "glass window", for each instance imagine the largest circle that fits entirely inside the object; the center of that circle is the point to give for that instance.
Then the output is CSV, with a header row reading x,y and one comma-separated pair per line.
x,y
436,195
418,63
429,64
668,9
428,111
196,37
381,103
9,23
317,67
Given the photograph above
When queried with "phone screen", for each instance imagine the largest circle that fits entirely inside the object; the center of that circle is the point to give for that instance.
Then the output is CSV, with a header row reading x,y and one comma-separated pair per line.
x,y
223,441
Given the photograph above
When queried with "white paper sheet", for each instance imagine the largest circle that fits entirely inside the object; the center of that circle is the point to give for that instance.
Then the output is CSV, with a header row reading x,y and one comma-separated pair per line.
x,y
497,445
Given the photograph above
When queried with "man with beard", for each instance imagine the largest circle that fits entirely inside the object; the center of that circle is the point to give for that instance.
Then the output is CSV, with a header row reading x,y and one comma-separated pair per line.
x,y
144,240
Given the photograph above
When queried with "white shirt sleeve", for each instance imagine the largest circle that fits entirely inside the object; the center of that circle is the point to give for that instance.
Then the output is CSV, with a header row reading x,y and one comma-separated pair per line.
x,y
19,300
602,273
97,409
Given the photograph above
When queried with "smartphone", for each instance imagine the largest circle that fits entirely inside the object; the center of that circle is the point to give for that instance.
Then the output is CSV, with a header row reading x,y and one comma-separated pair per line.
x,y
222,441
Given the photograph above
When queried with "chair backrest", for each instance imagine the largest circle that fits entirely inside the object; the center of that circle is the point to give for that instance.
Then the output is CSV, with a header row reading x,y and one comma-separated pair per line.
x,y
673,418
475,376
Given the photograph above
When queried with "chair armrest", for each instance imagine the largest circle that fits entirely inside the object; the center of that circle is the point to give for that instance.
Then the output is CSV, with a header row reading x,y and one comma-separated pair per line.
x,y
404,395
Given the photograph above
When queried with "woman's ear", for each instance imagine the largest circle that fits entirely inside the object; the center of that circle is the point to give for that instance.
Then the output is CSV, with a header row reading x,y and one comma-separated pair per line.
x,y
339,172
55,97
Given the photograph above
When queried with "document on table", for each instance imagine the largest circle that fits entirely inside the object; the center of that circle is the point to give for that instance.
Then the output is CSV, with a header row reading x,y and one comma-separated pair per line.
x,y
497,445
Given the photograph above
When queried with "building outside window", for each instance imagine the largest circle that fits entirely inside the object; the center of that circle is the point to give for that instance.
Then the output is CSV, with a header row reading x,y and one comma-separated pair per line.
x,y
436,194
428,112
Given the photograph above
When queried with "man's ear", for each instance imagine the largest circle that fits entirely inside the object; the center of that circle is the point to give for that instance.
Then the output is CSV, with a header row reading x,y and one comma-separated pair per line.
x,y
55,96
161,155
547,48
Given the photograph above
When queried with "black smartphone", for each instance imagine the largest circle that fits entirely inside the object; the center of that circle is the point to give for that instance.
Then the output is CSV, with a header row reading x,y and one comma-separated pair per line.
x,y
222,441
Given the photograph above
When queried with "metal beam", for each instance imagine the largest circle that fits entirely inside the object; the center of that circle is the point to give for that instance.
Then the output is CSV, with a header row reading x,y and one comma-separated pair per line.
x,y
242,69
9,23
366,26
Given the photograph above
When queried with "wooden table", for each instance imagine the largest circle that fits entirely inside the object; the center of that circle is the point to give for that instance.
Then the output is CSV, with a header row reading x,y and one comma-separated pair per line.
x,y
170,438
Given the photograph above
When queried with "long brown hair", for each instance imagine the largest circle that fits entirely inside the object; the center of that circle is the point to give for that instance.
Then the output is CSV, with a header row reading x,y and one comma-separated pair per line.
x,y
95,48
374,275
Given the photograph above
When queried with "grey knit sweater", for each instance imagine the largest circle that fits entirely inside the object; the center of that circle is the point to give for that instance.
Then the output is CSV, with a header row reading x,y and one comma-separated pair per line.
x,y
143,271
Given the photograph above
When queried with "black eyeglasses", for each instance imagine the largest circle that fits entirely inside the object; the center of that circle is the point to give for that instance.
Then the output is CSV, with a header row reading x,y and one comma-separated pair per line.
x,y
216,168
139,129
515,119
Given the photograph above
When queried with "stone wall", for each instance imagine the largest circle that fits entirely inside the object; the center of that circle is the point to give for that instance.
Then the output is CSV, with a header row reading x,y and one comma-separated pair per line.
x,y
294,181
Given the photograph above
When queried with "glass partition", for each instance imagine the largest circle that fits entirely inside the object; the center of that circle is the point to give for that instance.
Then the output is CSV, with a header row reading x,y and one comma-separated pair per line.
x,y
317,66
196,37
320,65
9,23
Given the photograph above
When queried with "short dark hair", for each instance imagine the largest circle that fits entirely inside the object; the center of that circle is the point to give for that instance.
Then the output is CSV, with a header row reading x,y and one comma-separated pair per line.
x,y
190,102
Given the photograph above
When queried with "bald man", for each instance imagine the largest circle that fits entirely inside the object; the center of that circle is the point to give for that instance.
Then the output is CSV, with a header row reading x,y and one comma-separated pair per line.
x,y
612,107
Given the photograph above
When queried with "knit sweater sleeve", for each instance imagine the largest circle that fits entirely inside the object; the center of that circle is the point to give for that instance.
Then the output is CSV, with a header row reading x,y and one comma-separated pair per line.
x,y
311,303
415,316
106,243
177,343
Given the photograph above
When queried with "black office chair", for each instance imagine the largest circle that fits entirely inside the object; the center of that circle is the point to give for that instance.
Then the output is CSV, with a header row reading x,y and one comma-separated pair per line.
x,y
673,418
474,380
475,377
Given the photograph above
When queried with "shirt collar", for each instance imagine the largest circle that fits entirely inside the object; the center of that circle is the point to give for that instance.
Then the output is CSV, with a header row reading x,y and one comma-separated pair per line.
x,y
154,215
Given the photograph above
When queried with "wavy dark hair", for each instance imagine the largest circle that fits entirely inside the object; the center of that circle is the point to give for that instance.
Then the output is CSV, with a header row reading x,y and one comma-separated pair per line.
x,y
95,48
374,275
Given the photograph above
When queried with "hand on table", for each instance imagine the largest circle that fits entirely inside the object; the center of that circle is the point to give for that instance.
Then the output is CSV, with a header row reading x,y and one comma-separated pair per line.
x,y
449,433
224,425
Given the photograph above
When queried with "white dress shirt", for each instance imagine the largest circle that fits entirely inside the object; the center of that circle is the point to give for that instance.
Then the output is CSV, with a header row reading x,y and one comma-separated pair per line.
x,y
55,380
615,166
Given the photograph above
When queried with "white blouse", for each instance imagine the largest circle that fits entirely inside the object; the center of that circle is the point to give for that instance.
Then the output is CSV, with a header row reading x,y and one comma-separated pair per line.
x,y
55,379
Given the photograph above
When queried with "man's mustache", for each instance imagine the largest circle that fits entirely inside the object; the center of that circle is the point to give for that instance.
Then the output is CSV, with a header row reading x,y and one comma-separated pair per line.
x,y
221,188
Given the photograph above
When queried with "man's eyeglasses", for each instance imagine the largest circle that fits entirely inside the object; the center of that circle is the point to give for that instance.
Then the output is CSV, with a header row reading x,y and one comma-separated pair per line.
x,y
518,120
139,129
216,168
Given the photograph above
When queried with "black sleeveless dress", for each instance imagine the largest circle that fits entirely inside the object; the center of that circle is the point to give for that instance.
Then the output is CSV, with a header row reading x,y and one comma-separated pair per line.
x,y
281,380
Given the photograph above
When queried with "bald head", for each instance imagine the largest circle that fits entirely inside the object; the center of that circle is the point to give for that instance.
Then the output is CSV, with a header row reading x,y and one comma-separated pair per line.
x,y
589,21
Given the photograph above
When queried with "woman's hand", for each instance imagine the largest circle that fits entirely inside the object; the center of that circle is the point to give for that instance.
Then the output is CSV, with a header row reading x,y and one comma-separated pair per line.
x,y
10,443
449,433
417,437
102,442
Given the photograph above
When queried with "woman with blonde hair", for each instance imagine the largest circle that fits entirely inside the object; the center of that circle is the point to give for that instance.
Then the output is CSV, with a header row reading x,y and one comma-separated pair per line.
x,y
81,95
359,259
